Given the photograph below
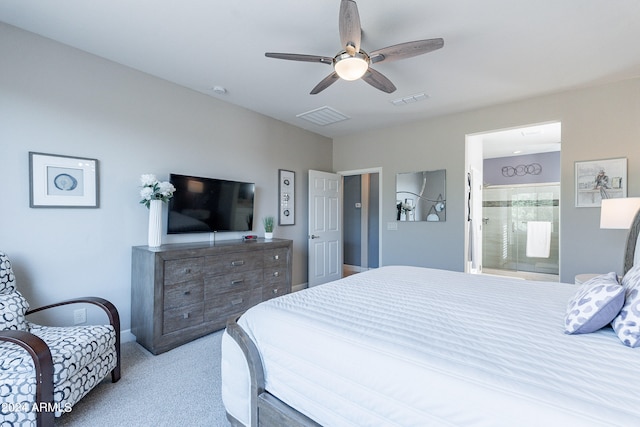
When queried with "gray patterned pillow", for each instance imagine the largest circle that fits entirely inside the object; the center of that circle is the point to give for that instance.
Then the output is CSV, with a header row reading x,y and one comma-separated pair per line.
x,y
627,323
595,304
13,307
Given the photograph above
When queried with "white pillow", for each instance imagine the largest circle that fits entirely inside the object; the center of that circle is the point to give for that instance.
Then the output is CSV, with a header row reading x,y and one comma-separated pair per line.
x,y
595,304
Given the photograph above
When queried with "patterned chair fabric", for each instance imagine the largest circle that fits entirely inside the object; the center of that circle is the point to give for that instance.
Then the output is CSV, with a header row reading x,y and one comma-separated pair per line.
x,y
69,360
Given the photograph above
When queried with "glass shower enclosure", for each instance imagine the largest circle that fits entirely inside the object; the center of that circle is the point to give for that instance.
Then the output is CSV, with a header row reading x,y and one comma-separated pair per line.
x,y
521,228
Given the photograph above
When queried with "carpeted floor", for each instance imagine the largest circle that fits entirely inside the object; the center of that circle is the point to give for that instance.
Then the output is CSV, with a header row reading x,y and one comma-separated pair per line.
x,y
178,388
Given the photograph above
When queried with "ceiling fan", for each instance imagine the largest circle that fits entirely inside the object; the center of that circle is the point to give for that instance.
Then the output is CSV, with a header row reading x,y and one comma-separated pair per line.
x,y
353,63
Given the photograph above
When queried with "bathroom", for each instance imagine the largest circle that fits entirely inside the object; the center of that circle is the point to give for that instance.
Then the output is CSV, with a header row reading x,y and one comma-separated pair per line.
x,y
521,216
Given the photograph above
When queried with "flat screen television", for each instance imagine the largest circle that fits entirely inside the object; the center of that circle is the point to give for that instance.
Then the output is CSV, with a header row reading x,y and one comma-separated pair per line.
x,y
205,205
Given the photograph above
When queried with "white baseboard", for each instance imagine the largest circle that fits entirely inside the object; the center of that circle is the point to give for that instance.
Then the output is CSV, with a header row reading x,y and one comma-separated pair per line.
x,y
126,336
301,286
354,268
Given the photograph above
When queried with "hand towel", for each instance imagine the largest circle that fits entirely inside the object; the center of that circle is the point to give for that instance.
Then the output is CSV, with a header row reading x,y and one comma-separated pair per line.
x,y
538,239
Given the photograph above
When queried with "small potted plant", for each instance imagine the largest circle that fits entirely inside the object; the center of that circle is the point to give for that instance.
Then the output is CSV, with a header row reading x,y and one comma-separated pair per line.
x,y
267,221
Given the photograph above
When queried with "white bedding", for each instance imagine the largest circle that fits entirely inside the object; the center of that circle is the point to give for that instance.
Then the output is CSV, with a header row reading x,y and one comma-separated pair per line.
x,y
410,346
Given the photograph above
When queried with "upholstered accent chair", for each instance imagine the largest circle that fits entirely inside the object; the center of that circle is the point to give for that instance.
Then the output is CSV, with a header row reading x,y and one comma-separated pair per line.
x,y
44,371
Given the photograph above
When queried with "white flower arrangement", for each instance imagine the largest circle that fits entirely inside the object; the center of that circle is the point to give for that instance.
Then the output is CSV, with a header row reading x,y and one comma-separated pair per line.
x,y
152,189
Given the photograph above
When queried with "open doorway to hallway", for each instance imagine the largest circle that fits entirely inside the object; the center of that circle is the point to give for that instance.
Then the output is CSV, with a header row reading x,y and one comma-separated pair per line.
x,y
515,209
361,221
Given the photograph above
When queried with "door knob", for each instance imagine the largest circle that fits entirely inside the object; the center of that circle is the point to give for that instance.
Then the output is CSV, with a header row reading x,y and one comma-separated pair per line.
x,y
313,236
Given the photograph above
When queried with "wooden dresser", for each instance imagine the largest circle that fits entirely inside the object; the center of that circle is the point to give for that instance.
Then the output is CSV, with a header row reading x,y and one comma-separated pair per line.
x,y
180,292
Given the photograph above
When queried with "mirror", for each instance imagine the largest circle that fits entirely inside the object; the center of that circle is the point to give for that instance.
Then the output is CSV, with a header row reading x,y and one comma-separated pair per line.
x,y
421,196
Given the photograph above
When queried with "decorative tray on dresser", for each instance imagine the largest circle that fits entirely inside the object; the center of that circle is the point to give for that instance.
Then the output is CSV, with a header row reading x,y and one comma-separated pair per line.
x,y
180,292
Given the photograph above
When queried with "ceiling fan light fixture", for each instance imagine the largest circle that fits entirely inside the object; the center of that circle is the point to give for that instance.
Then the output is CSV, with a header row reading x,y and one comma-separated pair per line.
x,y
352,63
351,67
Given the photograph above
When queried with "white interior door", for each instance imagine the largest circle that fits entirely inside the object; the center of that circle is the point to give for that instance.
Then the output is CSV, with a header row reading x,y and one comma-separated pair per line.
x,y
476,222
473,209
325,227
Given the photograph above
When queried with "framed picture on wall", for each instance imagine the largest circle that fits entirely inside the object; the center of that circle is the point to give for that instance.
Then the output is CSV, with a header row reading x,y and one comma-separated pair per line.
x,y
286,194
600,179
57,181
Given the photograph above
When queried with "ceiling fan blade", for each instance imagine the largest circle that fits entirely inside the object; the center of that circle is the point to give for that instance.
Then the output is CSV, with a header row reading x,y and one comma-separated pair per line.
x,y
377,80
325,83
349,25
300,57
405,50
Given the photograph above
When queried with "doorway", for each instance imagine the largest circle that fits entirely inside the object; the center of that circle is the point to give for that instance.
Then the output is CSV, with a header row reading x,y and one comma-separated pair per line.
x,y
361,220
513,193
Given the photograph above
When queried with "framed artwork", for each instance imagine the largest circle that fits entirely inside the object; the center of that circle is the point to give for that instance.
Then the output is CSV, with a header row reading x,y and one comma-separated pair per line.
x,y
286,194
600,179
57,181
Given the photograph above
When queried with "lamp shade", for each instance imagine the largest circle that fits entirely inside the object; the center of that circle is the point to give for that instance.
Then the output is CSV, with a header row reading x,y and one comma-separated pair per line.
x,y
619,213
351,67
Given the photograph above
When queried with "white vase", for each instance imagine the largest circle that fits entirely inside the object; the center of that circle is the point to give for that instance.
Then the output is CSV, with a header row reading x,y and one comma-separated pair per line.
x,y
155,223
268,235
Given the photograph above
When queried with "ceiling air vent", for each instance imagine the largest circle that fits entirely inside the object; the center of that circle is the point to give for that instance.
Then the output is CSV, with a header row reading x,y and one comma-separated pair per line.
x,y
323,116
410,99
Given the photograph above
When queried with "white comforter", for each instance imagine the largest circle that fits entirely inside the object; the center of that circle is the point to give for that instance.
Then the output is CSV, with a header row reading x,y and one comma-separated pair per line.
x,y
409,346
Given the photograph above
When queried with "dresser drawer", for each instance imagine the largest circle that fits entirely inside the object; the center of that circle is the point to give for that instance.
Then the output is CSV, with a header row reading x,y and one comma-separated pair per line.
x,y
275,275
182,270
230,303
181,294
182,291
182,317
234,262
276,257
215,285
274,290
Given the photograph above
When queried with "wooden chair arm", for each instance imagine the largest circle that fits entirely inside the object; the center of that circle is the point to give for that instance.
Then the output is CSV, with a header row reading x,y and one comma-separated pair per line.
x,y
43,364
108,307
112,314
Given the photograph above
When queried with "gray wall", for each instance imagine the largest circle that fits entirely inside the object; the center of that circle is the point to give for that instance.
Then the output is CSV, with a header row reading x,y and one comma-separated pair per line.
x,y
549,172
599,122
59,100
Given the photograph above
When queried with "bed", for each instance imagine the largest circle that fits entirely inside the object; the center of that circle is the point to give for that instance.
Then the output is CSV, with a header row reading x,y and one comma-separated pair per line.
x,y
405,346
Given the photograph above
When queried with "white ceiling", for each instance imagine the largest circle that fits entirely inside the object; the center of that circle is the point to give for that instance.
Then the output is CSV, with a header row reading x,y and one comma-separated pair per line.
x,y
540,138
495,50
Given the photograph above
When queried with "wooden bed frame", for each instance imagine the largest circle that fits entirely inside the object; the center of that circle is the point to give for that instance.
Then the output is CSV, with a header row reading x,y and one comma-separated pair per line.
x,y
267,410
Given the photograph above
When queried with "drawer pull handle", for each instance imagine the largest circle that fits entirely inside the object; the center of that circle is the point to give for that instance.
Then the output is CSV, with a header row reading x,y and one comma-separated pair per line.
x,y
236,301
276,273
237,263
237,281
185,316
275,291
276,257
187,292
187,271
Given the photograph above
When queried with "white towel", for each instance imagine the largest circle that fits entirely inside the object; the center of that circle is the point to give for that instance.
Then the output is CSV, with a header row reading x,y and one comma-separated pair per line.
x,y
538,239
